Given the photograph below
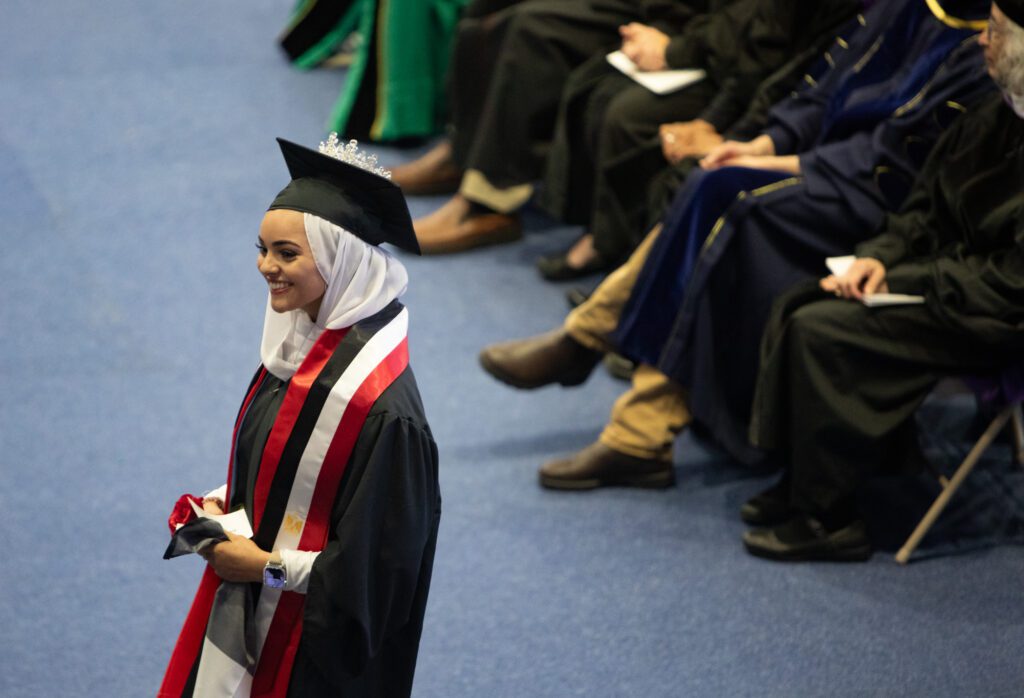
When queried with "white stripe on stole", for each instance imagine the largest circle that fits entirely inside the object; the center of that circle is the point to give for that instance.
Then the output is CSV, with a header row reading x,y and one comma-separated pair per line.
x,y
219,675
378,348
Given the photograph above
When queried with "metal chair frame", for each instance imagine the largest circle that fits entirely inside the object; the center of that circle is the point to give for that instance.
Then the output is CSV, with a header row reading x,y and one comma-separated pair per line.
x,y
1012,414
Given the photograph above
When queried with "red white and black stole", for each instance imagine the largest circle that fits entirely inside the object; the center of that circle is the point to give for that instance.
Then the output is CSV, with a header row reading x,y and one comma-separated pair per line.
x,y
301,468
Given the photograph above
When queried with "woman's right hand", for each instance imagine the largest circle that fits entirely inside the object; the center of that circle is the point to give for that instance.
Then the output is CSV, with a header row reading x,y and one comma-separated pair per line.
x,y
213,506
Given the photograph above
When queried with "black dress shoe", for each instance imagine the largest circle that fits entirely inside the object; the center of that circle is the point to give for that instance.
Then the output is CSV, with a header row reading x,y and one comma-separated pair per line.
x,y
557,267
554,357
805,538
598,466
769,508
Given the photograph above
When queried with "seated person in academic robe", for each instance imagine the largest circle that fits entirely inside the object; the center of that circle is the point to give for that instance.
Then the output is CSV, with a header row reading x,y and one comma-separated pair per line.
x,y
508,66
332,461
840,381
638,203
398,58
608,126
692,301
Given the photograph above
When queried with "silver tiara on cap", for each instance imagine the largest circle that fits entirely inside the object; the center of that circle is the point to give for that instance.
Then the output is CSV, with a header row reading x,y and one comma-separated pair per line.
x,y
349,153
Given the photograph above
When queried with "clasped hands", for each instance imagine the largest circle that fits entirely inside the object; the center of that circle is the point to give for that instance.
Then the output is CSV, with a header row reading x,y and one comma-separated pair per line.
x,y
238,559
758,154
687,139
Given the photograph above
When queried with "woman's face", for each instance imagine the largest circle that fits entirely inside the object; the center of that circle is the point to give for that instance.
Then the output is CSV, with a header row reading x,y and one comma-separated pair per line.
x,y
286,262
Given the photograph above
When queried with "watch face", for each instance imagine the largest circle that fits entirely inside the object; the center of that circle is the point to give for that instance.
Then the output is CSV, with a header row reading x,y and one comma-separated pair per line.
x,y
273,577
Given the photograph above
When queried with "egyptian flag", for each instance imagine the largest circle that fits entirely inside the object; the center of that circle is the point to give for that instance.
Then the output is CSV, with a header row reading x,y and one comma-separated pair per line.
x,y
233,644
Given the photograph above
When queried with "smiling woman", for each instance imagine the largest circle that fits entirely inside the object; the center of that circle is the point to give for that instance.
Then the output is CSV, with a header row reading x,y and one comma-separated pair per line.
x,y
287,264
333,463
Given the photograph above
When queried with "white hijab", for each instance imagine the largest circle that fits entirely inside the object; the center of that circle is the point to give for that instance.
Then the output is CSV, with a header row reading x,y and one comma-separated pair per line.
x,y
361,278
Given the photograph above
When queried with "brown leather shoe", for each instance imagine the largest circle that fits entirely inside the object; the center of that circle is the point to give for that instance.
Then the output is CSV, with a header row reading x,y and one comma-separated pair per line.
x,y
455,228
553,357
600,466
432,173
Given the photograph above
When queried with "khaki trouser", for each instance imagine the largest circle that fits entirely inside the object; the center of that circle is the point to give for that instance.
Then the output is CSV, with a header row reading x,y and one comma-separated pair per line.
x,y
646,418
477,188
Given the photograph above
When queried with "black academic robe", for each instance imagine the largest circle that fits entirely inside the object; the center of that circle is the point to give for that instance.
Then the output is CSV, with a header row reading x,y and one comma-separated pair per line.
x,y
509,67
839,382
608,124
734,239
320,27
368,589
363,610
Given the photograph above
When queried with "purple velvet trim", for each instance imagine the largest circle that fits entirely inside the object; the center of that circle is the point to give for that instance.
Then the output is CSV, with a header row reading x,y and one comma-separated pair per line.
x,y
1001,389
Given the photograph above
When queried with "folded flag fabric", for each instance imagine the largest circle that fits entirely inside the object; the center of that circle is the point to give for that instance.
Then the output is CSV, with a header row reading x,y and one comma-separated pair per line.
x,y
194,536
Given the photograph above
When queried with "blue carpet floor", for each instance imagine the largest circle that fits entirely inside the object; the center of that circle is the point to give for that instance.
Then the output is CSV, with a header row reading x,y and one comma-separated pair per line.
x,y
136,158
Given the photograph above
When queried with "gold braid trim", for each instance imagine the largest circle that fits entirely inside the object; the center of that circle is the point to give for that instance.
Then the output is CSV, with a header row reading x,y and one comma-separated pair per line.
x,y
955,22
760,191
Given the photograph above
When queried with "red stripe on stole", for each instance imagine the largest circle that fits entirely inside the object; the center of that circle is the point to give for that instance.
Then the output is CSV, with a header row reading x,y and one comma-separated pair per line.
x,y
193,632
274,671
278,656
291,406
238,425
314,533
190,640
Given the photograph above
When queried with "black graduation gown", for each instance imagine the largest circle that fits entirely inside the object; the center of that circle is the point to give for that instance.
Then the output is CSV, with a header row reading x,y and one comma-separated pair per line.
x,y
608,124
734,239
839,382
509,67
367,593
313,25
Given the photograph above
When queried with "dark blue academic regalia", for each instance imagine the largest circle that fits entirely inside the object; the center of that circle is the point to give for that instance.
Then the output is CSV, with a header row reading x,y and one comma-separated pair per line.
x,y
735,238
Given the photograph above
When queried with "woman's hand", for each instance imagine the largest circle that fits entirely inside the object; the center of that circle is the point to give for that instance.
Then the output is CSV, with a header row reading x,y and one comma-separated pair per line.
x,y
864,277
644,45
724,154
687,139
214,506
237,559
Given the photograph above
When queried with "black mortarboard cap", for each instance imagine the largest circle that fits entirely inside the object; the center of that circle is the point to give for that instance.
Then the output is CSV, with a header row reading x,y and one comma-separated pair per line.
x,y
369,206
1014,9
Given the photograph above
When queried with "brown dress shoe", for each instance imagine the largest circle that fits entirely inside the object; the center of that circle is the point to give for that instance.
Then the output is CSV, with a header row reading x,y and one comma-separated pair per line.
x,y
599,466
553,357
455,227
432,173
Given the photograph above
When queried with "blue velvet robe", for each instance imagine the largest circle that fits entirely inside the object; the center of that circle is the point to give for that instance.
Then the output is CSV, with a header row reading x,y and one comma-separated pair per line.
x,y
735,238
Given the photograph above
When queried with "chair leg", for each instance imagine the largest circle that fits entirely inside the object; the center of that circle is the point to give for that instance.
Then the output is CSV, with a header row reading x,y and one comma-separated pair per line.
x,y
1018,435
958,477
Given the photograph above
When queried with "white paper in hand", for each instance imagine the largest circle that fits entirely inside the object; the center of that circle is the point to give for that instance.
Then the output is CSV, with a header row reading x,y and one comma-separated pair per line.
x,y
838,267
659,82
236,522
